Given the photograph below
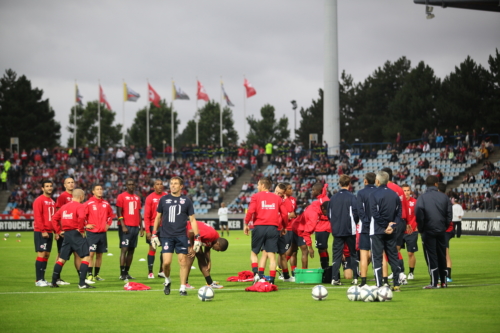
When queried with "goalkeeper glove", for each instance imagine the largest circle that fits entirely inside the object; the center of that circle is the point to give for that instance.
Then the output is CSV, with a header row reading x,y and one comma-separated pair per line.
x,y
155,242
197,243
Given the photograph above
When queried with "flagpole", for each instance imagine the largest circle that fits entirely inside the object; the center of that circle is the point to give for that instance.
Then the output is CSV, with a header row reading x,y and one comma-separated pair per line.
x,y
196,113
99,117
172,120
123,118
74,118
147,123
244,111
220,109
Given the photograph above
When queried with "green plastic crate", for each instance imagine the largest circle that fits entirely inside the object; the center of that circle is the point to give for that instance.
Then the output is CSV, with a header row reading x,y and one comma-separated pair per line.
x,y
310,275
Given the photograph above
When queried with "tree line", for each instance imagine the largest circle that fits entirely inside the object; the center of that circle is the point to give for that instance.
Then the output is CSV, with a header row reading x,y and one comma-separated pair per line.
x,y
396,97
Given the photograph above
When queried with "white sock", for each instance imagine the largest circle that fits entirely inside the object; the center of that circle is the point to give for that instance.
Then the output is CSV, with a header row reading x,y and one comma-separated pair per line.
x,y
183,287
167,280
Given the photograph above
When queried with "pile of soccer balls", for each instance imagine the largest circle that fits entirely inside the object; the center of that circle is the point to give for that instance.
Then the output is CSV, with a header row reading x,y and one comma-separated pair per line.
x,y
369,294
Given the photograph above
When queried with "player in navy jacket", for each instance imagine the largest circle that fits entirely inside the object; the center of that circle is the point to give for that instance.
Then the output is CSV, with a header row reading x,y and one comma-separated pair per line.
x,y
343,216
385,207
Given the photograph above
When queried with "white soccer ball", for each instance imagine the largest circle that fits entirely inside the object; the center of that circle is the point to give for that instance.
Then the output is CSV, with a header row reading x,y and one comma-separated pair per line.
x,y
375,292
18,235
384,294
319,293
354,293
205,294
6,235
367,295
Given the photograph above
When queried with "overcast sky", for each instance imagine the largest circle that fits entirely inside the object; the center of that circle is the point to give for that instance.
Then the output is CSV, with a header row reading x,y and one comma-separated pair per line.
x,y
276,44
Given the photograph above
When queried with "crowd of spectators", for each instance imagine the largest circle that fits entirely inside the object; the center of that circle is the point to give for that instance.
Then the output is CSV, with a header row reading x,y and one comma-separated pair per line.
x,y
205,177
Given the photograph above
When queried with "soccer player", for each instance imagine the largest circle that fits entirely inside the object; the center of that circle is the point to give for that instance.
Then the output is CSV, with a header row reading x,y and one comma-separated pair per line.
x,y
458,213
174,210
410,239
210,240
343,216
385,208
322,229
150,207
69,222
364,212
64,198
285,241
265,210
129,226
434,214
223,220
43,209
400,226
450,233
98,213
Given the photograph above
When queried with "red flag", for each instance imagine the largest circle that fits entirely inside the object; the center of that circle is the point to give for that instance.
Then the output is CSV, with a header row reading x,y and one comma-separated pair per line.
x,y
102,98
153,96
250,90
202,94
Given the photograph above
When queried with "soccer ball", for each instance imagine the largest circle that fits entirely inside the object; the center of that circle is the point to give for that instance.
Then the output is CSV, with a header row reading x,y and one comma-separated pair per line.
x,y
384,294
319,293
18,235
205,294
367,295
6,235
375,292
354,293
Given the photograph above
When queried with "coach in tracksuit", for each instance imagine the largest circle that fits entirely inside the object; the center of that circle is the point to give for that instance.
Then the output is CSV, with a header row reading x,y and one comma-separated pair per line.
x,y
434,214
385,207
343,216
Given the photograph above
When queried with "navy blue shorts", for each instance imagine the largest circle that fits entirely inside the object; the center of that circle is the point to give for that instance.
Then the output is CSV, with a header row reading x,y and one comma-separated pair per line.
x,y
265,237
74,242
400,233
322,240
129,239
43,244
410,242
98,242
59,243
284,242
180,244
364,242
298,240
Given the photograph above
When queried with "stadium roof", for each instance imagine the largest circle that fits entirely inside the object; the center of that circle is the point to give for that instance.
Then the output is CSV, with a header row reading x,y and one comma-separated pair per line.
x,y
486,5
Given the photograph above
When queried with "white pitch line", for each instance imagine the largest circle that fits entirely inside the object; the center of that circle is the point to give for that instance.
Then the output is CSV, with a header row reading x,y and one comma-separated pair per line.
x,y
225,289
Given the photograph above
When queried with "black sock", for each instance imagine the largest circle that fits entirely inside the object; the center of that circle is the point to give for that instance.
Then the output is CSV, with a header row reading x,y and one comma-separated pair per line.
x,y
89,271
324,262
386,280
209,280
57,272
127,268
161,262
271,280
44,267
363,281
38,270
286,275
255,270
449,272
83,272
412,269
151,261
96,270
122,270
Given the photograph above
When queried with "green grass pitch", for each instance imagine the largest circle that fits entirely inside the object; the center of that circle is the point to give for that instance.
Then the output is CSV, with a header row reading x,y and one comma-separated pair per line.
x,y
470,304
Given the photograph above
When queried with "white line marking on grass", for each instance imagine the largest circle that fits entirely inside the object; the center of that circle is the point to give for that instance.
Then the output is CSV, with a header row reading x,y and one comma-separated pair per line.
x,y
224,289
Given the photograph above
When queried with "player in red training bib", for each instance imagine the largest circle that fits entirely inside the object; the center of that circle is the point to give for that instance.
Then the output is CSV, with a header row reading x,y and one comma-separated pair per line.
x,y
128,207
43,209
210,239
270,218
64,198
150,207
